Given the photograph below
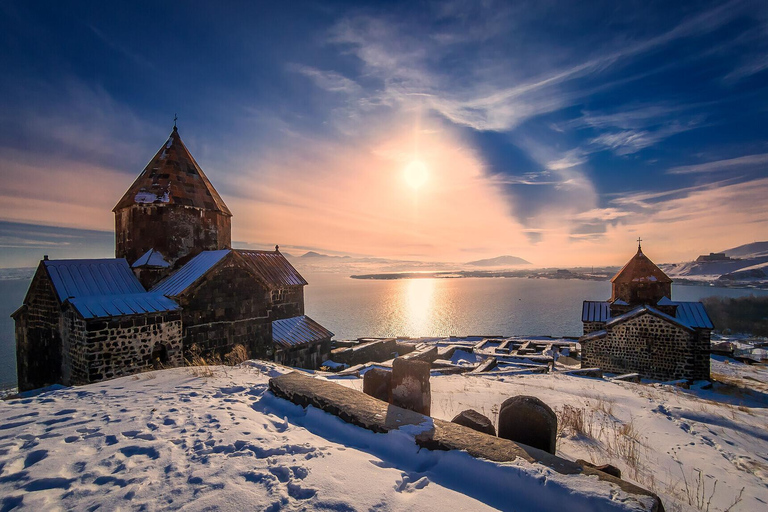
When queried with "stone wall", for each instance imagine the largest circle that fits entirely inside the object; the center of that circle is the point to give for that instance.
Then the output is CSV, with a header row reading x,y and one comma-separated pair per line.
x,y
227,307
38,338
176,231
287,302
593,326
101,349
310,355
650,346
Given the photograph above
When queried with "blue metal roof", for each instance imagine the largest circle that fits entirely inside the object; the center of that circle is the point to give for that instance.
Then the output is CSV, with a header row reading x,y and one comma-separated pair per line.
x,y
103,288
595,311
151,258
690,314
272,268
693,314
82,278
101,306
299,330
186,276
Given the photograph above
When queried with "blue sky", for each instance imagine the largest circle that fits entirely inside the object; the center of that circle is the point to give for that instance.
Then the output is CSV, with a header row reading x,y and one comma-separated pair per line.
x,y
554,131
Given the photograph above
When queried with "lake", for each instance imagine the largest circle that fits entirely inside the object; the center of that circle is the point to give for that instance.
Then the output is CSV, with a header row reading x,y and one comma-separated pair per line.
x,y
354,308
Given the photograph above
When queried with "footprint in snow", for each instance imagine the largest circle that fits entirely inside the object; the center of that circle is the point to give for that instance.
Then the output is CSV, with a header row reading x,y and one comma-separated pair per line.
x,y
408,484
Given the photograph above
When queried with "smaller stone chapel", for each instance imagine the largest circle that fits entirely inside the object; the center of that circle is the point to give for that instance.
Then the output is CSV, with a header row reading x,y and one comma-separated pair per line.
x,y
640,329
176,285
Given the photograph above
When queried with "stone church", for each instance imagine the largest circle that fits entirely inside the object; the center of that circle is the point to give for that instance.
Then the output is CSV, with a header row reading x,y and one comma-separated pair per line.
x,y
175,283
642,330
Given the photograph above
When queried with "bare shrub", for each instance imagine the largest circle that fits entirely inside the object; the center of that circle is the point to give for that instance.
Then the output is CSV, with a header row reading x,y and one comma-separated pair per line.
x,y
237,355
201,367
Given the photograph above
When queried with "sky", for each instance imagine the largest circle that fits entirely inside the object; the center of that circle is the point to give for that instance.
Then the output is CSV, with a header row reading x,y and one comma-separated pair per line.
x,y
555,131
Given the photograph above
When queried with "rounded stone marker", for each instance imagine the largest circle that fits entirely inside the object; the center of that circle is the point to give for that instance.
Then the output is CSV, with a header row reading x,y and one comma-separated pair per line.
x,y
528,420
474,420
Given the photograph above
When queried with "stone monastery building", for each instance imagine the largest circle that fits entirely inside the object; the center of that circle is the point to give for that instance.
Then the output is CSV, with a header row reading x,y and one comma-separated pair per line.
x,y
175,283
642,330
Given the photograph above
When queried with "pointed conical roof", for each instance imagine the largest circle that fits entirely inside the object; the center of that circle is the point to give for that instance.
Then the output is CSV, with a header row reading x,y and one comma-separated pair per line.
x,y
640,268
173,177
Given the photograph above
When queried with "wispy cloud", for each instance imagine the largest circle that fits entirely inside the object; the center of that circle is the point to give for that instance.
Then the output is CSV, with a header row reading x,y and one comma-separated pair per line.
x,y
327,80
748,161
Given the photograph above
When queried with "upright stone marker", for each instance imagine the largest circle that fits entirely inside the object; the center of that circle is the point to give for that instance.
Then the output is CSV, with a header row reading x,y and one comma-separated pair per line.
x,y
528,420
376,383
410,385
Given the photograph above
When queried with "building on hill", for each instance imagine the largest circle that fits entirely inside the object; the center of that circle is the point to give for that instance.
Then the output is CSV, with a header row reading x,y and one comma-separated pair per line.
x,y
87,320
171,210
642,330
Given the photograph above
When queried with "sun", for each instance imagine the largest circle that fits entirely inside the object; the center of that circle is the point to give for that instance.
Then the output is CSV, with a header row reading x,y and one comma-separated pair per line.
x,y
416,174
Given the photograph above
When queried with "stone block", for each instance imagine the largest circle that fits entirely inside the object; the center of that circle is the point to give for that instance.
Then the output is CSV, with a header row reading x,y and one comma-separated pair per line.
x,y
410,385
528,420
474,420
605,468
376,383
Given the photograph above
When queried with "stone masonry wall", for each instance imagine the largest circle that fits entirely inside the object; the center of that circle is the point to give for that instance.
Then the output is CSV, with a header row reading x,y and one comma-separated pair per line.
x,y
176,231
648,345
593,326
227,307
38,339
309,356
107,348
287,302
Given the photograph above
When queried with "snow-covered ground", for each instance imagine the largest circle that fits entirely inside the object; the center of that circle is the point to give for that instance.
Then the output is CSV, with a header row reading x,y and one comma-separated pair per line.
x,y
202,439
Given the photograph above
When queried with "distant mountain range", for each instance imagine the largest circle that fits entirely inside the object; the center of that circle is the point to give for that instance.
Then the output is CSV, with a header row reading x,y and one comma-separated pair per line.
x,y
313,254
499,261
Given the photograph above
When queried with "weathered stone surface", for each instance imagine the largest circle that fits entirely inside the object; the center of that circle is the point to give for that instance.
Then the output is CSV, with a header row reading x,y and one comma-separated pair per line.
x,y
364,411
410,385
376,383
487,365
528,420
594,373
377,350
428,354
628,377
605,468
476,421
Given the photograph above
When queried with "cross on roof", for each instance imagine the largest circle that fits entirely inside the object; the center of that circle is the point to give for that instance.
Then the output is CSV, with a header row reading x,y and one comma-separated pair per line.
x,y
175,118
638,242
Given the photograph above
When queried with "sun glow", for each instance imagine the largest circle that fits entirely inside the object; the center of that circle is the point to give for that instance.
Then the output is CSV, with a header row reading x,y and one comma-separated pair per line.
x,y
416,174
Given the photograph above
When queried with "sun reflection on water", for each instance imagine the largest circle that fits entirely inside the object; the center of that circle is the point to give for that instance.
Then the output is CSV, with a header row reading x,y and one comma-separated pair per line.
x,y
418,305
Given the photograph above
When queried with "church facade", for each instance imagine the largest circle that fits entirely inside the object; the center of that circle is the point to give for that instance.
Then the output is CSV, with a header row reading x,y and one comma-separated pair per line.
x,y
175,283
640,329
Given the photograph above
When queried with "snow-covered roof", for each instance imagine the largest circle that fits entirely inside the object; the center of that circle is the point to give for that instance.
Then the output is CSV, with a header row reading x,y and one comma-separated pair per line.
x,y
690,314
186,276
81,278
151,258
298,330
101,306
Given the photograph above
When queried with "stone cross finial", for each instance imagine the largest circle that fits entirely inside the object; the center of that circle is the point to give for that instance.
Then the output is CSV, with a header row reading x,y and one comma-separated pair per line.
x,y
638,243
277,248
175,118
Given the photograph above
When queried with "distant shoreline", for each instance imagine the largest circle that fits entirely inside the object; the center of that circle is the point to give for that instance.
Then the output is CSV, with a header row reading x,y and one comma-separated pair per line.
x,y
561,274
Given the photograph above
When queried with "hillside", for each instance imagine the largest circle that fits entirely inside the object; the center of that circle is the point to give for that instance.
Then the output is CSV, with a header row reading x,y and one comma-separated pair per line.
x,y
743,270
500,261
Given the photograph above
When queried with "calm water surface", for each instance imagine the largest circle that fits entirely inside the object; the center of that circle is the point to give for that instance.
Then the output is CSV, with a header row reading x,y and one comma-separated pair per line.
x,y
354,308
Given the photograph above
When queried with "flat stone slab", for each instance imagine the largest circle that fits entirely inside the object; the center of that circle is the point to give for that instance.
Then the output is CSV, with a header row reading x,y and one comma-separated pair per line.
x,y
364,411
